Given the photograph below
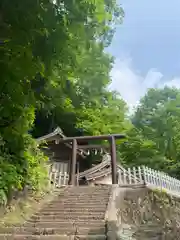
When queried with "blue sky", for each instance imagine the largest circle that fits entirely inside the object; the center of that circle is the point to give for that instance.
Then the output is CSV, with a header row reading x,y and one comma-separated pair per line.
x,y
146,47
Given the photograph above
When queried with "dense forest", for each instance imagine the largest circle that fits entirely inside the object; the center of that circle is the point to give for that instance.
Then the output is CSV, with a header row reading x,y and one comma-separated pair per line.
x,y
55,71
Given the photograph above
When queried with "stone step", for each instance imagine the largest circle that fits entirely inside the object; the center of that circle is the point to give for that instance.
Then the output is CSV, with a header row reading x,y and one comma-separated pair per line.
x,y
65,224
52,237
91,204
97,201
62,217
69,230
82,197
70,212
86,191
82,192
76,213
74,208
68,199
78,200
69,221
73,216
87,187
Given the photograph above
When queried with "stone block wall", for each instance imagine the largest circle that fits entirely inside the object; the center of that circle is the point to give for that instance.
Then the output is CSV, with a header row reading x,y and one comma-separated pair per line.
x,y
140,213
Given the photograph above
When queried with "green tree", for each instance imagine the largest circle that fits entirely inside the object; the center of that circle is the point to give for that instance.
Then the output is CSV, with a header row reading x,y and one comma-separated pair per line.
x,y
43,44
107,115
158,119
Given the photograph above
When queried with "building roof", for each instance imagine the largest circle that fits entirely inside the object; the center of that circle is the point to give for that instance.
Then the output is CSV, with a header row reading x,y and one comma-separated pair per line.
x,y
58,134
51,136
100,170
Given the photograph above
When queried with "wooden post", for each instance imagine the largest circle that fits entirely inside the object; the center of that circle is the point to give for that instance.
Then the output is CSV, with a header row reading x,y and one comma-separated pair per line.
x,y
73,163
113,160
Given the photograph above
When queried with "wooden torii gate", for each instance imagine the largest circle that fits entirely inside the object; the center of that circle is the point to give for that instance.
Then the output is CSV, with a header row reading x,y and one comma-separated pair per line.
x,y
76,140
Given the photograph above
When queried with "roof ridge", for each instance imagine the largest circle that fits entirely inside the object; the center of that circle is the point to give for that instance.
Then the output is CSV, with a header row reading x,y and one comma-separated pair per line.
x,y
57,131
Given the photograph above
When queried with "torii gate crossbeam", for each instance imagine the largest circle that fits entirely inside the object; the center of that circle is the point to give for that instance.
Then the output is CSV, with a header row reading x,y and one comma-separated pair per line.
x,y
75,140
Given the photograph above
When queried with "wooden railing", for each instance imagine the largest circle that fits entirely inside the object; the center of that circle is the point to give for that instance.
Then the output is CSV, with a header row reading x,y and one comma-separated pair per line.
x,y
149,177
58,179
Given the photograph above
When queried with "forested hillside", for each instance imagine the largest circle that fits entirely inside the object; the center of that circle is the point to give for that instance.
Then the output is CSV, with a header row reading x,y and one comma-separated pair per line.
x,y
55,72
157,121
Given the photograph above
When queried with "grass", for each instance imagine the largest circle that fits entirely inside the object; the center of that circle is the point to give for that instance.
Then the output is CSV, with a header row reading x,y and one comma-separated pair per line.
x,y
18,212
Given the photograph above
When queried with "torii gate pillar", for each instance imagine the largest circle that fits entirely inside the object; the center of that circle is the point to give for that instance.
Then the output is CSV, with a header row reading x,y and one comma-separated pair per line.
x,y
76,140
113,160
72,176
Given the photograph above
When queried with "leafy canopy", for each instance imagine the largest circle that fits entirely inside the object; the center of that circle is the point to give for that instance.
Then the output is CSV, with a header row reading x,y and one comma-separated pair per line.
x,y
52,65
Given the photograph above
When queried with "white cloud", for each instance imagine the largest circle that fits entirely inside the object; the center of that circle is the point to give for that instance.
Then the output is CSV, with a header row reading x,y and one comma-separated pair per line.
x,y
132,85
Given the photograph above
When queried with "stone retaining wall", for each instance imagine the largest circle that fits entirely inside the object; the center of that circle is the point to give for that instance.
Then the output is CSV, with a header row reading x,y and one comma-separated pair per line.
x,y
139,213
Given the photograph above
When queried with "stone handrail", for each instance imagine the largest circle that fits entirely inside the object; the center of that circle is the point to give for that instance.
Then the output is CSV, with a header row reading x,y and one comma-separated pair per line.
x,y
149,177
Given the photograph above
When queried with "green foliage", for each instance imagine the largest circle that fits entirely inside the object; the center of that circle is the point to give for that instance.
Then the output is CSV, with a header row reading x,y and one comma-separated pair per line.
x,y
138,150
37,169
15,173
158,120
106,116
53,68
55,72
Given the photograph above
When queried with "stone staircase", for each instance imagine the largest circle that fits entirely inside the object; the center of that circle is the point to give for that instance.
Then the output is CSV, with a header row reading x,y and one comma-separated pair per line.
x,y
76,213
